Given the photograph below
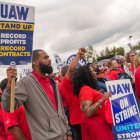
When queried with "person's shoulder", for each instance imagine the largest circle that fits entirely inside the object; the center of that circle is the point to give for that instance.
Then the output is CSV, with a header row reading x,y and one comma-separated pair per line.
x,y
89,89
26,78
85,87
66,81
86,93
114,71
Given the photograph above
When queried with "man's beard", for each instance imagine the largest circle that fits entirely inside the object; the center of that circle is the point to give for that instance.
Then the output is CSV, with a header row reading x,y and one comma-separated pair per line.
x,y
46,69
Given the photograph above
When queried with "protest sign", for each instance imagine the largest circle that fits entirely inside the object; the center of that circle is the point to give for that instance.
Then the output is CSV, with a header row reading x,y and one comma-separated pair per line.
x,y
81,62
16,37
125,112
16,33
58,61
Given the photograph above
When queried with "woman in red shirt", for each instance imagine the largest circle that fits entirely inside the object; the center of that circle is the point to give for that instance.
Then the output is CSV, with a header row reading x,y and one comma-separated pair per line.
x,y
137,75
94,125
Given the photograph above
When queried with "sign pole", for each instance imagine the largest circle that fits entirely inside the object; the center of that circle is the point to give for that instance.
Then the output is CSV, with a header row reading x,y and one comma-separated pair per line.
x,y
12,99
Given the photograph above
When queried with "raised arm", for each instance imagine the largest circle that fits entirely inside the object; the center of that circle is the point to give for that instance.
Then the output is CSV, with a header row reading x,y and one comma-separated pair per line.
x,y
74,63
20,91
11,73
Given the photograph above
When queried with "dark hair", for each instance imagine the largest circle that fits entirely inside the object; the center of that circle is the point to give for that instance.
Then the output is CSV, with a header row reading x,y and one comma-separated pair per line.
x,y
64,70
35,54
83,76
3,84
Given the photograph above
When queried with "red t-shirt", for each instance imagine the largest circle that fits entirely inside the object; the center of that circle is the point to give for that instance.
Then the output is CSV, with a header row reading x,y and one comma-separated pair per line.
x,y
88,93
18,117
113,75
45,83
3,135
137,82
72,101
108,112
94,127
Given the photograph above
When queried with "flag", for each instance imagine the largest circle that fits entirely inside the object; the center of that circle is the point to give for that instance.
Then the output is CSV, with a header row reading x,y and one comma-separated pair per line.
x,y
58,61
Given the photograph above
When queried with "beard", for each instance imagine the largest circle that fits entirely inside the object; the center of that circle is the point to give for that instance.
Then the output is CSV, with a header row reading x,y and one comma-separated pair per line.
x,y
46,69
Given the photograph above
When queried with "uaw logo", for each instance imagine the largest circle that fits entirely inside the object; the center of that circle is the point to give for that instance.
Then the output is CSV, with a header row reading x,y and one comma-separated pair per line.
x,y
13,64
81,62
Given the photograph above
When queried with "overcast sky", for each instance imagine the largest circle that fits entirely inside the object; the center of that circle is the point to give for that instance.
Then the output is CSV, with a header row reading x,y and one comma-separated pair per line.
x,y
63,26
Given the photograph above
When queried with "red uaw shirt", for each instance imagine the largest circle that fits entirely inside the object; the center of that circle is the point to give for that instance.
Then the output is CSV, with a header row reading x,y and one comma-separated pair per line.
x,y
3,135
94,127
17,118
72,101
46,84
137,82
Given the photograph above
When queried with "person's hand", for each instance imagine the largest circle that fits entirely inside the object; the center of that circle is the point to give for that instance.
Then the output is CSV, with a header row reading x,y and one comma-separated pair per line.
x,y
0,92
11,73
69,138
81,52
106,95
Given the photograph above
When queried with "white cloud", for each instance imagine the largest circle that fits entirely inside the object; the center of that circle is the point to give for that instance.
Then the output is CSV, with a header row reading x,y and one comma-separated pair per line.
x,y
63,26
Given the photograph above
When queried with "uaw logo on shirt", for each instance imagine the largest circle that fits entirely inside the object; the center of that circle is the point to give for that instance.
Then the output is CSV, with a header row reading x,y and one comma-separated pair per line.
x,y
81,62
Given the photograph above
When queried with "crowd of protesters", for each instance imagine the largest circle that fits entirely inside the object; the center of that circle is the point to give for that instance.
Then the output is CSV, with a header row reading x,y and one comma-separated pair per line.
x,y
72,106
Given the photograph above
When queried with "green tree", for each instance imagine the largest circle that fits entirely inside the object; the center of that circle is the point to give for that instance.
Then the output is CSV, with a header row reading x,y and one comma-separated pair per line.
x,y
114,50
137,47
120,51
109,53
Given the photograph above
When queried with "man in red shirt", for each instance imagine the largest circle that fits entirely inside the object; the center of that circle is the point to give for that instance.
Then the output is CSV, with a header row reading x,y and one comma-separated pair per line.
x,y
15,123
2,129
41,100
72,101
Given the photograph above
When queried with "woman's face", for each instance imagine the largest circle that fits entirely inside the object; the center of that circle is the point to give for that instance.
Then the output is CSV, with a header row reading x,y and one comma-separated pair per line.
x,y
114,64
107,70
131,57
93,73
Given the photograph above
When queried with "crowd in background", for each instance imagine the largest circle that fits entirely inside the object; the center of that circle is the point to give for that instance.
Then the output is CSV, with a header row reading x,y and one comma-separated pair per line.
x,y
84,96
